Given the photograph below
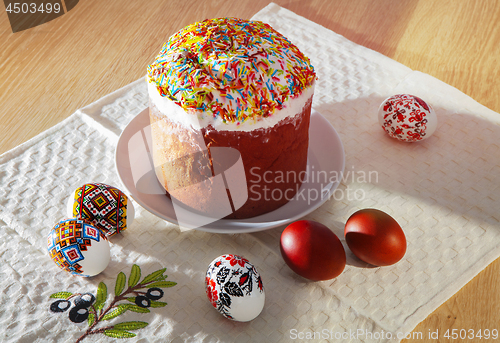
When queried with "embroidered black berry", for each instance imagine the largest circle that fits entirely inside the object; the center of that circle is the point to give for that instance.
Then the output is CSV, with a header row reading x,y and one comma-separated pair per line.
x,y
84,300
142,301
154,293
60,305
78,314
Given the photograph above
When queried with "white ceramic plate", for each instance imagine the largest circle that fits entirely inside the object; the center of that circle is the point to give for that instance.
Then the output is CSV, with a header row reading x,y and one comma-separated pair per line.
x,y
326,162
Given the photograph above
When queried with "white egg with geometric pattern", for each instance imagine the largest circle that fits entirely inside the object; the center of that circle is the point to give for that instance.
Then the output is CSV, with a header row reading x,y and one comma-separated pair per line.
x,y
234,287
78,247
104,206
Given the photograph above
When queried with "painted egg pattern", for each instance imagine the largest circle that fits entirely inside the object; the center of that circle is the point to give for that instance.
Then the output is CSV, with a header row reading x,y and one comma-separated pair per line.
x,y
104,206
234,287
407,118
78,247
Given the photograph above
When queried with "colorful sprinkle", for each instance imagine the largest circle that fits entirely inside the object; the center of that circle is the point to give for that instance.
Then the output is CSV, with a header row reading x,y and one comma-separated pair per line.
x,y
214,64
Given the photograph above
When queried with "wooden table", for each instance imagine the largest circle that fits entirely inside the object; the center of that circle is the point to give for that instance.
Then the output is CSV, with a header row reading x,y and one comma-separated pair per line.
x,y
49,71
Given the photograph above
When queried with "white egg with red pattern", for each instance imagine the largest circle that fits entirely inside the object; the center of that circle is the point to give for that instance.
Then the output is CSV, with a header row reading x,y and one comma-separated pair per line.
x,y
234,287
407,118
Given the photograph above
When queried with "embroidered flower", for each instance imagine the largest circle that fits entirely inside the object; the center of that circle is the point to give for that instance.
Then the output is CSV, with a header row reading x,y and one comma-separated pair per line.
x,y
233,259
211,291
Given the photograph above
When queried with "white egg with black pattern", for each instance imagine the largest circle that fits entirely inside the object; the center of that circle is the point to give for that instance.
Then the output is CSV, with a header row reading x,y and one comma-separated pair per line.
x,y
234,288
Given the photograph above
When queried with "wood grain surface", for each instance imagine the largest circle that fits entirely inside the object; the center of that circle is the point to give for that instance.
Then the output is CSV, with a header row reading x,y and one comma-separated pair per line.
x,y
49,71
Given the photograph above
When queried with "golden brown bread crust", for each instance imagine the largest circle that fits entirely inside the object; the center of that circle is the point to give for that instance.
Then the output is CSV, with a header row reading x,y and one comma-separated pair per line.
x,y
180,158
277,151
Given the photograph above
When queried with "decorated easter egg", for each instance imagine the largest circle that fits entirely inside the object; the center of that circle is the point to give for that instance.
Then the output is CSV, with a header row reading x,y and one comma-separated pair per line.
x,y
104,206
375,237
78,247
407,118
312,250
234,287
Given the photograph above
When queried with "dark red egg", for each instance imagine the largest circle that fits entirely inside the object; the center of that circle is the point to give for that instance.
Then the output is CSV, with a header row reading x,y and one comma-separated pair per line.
x,y
375,237
312,250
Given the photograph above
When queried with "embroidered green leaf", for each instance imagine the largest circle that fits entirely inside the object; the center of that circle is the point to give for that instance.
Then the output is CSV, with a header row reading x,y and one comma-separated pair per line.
x,y
163,284
116,311
130,325
119,333
155,304
61,295
120,283
135,308
90,319
153,276
135,276
131,299
98,306
102,293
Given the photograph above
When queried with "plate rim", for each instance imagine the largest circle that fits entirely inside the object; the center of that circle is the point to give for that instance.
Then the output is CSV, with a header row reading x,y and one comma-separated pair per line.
x,y
237,225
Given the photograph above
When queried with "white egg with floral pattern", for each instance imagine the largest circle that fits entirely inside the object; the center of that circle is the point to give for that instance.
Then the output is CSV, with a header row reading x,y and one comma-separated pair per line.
x,y
234,287
407,118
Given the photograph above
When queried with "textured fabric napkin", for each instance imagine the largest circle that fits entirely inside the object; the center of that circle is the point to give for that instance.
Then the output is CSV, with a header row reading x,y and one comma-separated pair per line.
x,y
443,191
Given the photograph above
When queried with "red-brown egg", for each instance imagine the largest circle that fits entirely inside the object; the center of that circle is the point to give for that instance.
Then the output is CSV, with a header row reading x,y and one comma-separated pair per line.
x,y
312,250
375,237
